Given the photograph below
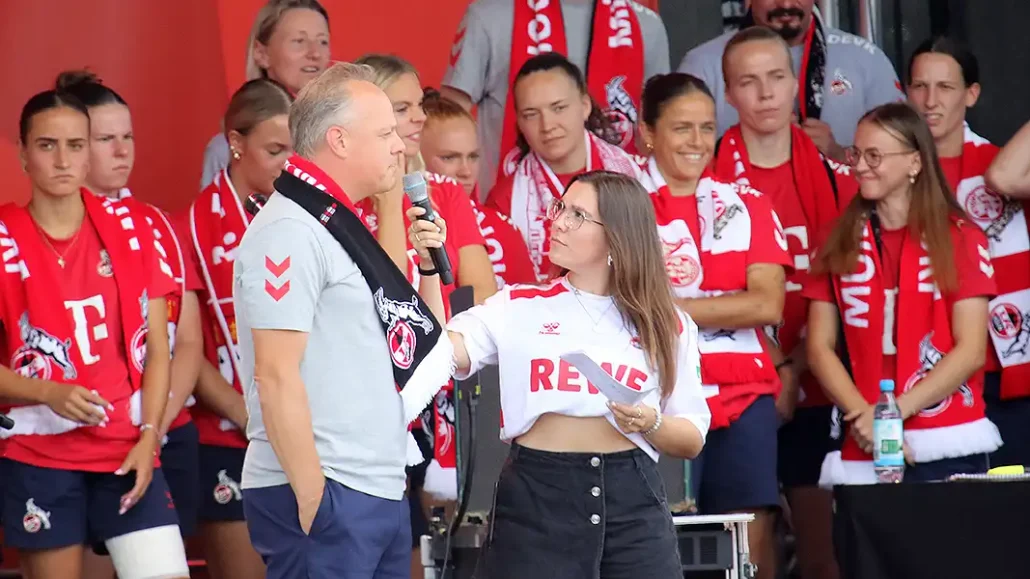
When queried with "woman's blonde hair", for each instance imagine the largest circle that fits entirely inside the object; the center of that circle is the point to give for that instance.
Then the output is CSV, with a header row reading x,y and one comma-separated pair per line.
x,y
264,25
388,68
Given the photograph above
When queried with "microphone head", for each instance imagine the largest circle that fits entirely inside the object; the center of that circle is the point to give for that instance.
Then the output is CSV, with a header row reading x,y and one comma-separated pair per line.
x,y
415,187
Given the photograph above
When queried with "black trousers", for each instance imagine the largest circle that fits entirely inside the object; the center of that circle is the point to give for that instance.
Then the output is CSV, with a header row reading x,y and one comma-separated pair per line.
x,y
580,516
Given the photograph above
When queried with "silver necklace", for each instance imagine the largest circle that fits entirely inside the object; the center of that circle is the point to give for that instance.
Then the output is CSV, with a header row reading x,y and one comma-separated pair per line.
x,y
597,321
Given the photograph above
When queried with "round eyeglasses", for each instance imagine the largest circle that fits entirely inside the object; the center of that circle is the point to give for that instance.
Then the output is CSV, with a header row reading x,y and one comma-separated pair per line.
x,y
573,218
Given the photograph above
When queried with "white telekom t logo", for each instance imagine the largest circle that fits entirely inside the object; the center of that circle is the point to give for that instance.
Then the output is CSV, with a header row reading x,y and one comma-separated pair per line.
x,y
82,330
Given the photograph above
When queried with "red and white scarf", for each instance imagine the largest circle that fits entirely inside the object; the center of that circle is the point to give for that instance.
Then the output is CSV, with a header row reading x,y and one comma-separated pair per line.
x,y
728,357
170,260
217,224
1005,224
954,427
535,187
39,336
810,177
615,69
819,203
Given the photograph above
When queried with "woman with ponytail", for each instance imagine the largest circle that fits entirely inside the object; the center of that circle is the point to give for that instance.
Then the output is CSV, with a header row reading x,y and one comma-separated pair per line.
x,y
257,129
111,160
561,133
84,312
725,255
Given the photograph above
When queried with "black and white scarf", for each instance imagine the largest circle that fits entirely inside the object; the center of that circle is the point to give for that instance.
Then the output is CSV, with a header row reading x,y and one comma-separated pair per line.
x,y
421,353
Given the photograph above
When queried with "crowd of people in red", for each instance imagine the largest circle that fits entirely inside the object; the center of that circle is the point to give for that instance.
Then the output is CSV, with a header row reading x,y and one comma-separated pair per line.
x,y
847,227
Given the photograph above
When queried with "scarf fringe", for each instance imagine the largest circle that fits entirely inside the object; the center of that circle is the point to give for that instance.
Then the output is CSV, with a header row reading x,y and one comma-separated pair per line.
x,y
429,377
441,483
927,445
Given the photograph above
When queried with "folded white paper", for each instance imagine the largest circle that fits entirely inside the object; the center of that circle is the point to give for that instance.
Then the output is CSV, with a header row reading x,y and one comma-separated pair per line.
x,y
603,381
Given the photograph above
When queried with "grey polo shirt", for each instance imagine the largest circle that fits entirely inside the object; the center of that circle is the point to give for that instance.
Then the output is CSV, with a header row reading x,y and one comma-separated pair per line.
x,y
356,411
481,67
859,77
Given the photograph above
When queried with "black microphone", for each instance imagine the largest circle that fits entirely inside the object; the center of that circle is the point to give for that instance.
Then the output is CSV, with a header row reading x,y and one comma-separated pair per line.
x,y
418,194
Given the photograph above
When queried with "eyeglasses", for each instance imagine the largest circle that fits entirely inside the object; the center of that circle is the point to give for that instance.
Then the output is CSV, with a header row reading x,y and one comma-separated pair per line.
x,y
873,157
574,218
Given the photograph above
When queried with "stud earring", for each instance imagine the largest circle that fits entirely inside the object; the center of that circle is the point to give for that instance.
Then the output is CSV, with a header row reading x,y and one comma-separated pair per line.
x,y
610,260
236,155
912,178
649,146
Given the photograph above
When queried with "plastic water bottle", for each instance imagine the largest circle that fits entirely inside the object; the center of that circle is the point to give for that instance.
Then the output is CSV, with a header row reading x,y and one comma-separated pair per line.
x,y
888,436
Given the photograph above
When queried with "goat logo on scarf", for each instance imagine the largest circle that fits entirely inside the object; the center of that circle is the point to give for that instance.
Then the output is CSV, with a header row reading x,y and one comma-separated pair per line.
x,y
929,356
1008,323
41,350
399,317
723,215
621,111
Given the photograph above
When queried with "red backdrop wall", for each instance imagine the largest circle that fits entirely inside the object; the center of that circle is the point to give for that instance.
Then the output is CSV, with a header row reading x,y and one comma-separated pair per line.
x,y
177,62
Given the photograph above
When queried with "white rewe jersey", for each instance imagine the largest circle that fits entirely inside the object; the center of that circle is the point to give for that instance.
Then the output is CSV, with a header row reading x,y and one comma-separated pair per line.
x,y
524,329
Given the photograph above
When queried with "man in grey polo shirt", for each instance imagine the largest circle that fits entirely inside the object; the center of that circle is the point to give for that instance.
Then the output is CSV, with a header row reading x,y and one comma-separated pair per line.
x,y
479,71
856,75
323,479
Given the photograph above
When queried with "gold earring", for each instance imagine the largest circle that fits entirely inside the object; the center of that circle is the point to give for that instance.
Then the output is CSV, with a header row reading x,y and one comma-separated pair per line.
x,y
236,154
649,146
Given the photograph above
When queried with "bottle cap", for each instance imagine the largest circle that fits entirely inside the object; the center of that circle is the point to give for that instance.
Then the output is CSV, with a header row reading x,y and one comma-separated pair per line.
x,y
886,385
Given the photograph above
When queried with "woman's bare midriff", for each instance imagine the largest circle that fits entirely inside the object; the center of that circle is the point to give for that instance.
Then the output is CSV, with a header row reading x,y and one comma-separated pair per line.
x,y
560,433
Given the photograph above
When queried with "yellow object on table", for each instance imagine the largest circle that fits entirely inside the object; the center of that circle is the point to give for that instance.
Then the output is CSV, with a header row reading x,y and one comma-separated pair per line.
x,y
1007,470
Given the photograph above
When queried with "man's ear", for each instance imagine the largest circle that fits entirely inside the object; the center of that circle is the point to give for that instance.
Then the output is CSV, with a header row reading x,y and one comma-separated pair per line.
x,y
337,139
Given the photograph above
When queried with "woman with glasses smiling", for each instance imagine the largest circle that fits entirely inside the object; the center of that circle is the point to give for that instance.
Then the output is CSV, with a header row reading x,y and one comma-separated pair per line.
x,y
903,244
580,495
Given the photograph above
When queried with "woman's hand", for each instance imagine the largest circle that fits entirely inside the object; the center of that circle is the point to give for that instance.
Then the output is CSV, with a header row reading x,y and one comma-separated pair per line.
x,y
424,235
76,403
141,460
632,419
862,427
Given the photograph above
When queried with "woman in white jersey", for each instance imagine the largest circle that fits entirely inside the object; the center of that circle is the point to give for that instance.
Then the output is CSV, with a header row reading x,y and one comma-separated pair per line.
x,y
580,495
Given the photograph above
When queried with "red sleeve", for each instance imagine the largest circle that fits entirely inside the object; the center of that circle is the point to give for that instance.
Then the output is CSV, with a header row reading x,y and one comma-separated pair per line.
x,y
500,196
457,210
818,288
768,242
973,264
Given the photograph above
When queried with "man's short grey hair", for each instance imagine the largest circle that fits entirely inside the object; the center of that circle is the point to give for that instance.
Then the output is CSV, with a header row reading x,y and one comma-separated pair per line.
x,y
322,103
